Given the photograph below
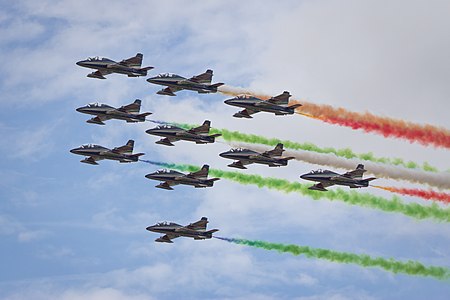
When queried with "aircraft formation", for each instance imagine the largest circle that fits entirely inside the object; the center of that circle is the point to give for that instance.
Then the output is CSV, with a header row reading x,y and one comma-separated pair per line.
x,y
277,105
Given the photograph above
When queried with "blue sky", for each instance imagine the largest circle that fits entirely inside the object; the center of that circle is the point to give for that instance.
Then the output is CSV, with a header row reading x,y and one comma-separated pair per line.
x,y
71,231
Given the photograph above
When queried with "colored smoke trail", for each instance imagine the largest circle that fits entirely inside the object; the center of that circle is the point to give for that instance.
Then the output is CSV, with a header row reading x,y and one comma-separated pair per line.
x,y
424,194
236,136
439,180
388,127
413,210
409,267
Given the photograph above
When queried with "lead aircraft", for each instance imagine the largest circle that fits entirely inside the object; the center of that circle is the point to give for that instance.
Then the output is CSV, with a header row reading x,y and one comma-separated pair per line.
x,y
105,66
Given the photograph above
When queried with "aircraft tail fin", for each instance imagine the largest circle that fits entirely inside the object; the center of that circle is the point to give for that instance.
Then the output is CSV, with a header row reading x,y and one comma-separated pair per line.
x,y
277,151
127,148
204,77
134,107
133,62
357,173
202,173
282,99
204,128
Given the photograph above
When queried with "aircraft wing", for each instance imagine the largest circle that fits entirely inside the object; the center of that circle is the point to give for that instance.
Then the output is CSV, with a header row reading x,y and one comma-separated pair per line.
x,y
246,113
99,119
166,238
132,62
167,185
167,141
240,164
169,91
134,107
91,160
321,186
100,74
199,225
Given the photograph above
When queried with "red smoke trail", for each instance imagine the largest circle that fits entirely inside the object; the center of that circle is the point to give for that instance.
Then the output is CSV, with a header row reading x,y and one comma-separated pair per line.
x,y
424,194
427,135
388,127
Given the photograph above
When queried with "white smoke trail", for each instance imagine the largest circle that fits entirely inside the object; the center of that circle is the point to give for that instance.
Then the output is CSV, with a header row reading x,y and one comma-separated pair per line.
x,y
439,180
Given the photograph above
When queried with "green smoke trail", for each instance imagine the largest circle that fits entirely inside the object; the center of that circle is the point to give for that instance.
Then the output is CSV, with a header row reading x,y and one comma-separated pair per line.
x,y
410,267
413,210
235,136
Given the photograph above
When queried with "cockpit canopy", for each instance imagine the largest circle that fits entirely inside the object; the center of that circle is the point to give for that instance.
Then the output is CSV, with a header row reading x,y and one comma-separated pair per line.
x,y
244,97
87,146
163,171
165,223
237,150
319,171
165,126
167,75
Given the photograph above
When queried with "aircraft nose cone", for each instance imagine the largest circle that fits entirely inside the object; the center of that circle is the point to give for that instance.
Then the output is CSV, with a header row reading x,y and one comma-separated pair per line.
x,y
149,228
74,151
80,63
304,176
224,154
150,176
80,109
229,101
150,131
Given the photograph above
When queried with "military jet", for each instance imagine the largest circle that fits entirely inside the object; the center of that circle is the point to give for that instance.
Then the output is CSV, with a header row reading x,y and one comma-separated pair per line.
x,y
105,66
200,83
199,135
170,178
196,230
103,112
96,153
326,178
272,158
253,105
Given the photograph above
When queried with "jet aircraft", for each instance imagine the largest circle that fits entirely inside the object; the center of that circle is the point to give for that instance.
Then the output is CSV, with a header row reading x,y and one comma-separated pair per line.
x,y
103,112
199,135
171,178
200,83
196,230
252,105
105,66
96,153
272,158
326,178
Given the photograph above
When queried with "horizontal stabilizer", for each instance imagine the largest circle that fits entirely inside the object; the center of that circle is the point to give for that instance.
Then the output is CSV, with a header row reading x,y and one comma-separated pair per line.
x,y
215,135
143,115
294,106
216,85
